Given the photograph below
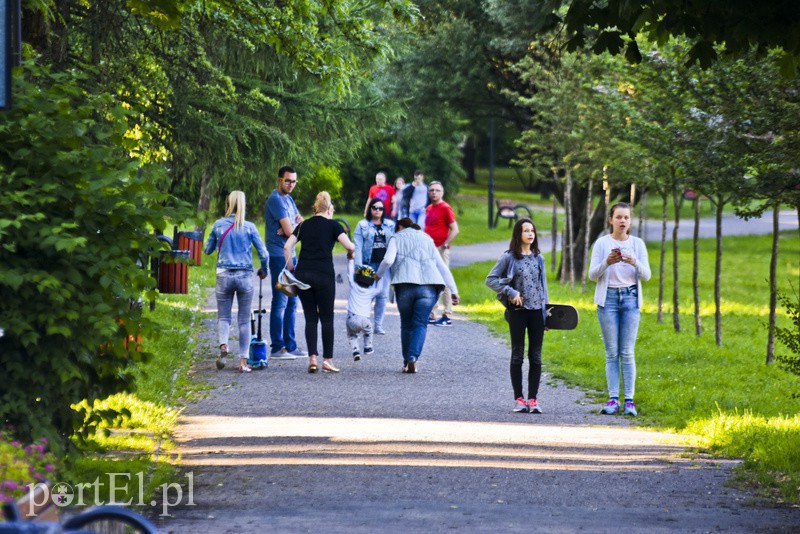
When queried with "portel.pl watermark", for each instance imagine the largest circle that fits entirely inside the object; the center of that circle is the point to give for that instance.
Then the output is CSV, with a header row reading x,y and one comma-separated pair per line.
x,y
118,490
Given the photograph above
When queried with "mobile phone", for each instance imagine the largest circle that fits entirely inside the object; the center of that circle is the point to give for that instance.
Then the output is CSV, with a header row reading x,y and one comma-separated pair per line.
x,y
617,251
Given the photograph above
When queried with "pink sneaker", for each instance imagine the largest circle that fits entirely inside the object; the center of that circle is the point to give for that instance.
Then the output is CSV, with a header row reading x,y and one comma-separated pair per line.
x,y
533,406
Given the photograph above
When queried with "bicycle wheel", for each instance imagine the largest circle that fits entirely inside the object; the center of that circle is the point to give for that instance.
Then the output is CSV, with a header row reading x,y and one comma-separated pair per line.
x,y
109,520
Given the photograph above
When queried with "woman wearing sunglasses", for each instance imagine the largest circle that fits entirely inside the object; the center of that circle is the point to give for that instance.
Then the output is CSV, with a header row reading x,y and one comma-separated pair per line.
x,y
371,236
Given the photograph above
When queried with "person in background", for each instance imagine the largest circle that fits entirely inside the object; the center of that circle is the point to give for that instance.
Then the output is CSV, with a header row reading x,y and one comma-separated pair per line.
x,y
234,239
371,236
520,281
441,225
619,265
399,185
415,199
418,274
318,235
281,216
380,190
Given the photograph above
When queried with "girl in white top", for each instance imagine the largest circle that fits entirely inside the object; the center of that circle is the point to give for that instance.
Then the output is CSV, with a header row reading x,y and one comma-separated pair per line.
x,y
619,265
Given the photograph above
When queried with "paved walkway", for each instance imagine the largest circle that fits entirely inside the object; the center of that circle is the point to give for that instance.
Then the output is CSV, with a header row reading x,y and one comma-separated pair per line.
x,y
374,450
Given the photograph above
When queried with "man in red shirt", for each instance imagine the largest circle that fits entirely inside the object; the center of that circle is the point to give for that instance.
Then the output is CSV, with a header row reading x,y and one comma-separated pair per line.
x,y
380,190
441,225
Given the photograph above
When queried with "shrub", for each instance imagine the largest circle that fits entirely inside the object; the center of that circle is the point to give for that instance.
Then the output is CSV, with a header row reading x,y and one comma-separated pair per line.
x,y
75,232
22,465
790,337
322,179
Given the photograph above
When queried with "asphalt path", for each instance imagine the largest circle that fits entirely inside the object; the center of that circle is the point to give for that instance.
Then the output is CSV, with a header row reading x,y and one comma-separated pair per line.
x,y
374,450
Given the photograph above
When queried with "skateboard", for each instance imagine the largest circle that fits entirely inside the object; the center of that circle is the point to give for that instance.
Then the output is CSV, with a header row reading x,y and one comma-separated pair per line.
x,y
561,317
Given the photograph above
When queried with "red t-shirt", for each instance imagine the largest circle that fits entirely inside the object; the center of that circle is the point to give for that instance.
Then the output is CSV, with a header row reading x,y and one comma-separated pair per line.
x,y
438,218
385,193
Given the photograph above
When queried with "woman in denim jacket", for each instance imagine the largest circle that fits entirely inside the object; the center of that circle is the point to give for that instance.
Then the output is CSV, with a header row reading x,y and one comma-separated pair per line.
x,y
371,238
619,264
520,281
233,238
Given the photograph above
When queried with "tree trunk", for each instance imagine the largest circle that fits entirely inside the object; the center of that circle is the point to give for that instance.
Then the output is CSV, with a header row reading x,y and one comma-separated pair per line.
x,y
204,201
587,235
468,160
718,272
554,232
698,327
661,266
642,231
773,282
569,249
677,202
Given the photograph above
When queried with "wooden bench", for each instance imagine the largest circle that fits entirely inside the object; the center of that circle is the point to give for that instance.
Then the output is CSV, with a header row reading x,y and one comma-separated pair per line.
x,y
507,209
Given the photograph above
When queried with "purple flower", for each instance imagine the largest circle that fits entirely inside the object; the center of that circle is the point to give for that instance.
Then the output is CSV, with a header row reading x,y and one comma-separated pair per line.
x,y
16,443
38,477
43,440
48,467
10,485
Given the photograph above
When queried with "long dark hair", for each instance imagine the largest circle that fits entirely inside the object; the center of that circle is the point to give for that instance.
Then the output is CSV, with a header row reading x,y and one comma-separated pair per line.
x,y
372,202
406,222
515,246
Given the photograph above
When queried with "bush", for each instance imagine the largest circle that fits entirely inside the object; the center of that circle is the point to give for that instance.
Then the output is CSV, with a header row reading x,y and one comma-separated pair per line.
x,y
20,466
790,337
75,232
322,179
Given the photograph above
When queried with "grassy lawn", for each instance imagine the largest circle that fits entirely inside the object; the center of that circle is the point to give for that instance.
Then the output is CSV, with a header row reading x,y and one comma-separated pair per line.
x,y
140,444
722,399
508,186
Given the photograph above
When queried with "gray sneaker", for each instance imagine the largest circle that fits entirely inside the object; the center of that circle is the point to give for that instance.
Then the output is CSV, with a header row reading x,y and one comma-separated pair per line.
x,y
611,407
298,353
630,408
282,355
520,406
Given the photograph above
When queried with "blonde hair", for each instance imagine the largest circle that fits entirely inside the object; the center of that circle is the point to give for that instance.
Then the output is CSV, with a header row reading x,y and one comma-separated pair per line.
x,y
236,204
322,203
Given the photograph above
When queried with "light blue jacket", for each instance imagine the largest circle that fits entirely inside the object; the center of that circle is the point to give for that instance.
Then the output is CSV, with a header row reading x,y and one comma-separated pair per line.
x,y
364,237
236,251
500,277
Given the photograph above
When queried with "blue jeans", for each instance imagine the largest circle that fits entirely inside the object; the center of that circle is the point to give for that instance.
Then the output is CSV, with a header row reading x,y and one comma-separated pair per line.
x,y
619,323
282,311
418,216
415,303
381,297
237,282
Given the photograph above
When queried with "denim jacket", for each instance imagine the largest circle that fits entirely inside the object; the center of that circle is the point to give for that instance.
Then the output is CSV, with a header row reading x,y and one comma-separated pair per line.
x,y
364,237
500,277
236,251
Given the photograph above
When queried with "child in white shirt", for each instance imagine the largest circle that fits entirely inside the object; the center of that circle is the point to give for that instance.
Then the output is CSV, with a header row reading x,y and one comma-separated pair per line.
x,y
359,309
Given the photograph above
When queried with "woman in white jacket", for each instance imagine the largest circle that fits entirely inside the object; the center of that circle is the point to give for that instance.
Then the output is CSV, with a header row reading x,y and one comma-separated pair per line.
x,y
619,265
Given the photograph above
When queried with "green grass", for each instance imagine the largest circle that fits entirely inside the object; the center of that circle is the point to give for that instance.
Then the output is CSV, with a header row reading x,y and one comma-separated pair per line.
x,y
724,399
140,446
508,186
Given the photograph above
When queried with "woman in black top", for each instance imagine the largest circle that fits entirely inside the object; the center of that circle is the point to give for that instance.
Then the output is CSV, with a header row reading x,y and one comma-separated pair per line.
x,y
318,234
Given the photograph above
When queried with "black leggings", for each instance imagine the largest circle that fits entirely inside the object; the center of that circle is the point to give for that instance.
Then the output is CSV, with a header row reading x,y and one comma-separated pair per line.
x,y
317,304
533,321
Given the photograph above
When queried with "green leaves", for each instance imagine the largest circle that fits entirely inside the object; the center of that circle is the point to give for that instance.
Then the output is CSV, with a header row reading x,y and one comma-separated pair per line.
x,y
76,219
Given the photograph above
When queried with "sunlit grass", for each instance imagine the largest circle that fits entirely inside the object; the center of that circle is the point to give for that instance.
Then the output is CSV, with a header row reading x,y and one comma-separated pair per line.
x,y
138,446
724,399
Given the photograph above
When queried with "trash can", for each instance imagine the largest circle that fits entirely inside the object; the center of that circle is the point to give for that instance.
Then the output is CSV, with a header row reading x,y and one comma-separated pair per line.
x,y
193,242
173,271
